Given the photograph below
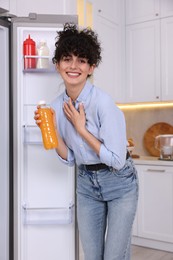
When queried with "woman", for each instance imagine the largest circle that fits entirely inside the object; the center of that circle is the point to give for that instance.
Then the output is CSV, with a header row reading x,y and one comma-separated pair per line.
x,y
92,133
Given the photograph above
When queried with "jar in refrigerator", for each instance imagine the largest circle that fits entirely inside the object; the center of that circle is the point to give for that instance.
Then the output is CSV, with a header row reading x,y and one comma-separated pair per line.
x,y
49,137
29,49
43,50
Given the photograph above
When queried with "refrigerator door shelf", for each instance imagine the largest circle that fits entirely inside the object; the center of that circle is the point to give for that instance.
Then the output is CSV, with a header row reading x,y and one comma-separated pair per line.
x,y
50,69
32,135
48,216
36,56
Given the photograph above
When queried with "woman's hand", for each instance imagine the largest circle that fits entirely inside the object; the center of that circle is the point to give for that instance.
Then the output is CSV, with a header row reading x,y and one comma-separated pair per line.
x,y
37,117
62,148
77,118
38,120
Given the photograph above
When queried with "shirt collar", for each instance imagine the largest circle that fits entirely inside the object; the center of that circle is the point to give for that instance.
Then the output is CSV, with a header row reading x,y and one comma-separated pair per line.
x,y
84,93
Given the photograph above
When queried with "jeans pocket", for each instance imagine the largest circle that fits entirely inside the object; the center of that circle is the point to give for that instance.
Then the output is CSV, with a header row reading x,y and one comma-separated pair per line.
x,y
127,171
81,172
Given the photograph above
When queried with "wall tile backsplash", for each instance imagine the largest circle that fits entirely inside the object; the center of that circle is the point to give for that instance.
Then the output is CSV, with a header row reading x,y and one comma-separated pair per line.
x,y
139,120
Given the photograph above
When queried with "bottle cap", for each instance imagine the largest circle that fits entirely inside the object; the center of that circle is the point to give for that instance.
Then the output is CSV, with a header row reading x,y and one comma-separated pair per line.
x,y
42,102
42,42
29,40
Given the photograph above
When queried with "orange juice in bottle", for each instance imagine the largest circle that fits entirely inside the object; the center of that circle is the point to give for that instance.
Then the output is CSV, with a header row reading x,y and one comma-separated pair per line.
x,y
48,131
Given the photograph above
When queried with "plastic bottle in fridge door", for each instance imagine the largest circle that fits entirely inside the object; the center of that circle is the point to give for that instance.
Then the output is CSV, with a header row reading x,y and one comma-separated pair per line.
x,y
29,49
43,50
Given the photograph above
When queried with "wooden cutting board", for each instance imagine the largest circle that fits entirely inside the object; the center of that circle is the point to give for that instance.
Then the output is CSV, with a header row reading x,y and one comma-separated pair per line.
x,y
149,136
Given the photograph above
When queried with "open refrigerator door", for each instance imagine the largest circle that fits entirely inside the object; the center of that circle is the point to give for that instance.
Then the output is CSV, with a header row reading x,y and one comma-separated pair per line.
x,y
44,187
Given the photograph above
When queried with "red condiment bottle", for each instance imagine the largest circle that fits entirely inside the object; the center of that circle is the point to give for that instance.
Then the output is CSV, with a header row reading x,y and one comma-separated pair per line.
x,y
29,48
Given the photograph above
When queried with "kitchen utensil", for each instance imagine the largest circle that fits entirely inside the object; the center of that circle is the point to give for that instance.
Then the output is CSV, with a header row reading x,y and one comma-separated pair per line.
x,y
159,128
164,143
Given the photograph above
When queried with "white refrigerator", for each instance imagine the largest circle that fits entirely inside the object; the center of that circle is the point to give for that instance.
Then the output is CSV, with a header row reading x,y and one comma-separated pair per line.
x,y
42,198
4,142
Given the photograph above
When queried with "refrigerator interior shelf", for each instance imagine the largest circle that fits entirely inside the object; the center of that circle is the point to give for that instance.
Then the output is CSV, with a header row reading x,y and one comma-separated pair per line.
x,y
47,215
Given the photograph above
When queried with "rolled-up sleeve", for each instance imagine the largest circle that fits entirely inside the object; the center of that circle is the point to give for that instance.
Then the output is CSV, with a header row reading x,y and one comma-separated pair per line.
x,y
70,158
112,135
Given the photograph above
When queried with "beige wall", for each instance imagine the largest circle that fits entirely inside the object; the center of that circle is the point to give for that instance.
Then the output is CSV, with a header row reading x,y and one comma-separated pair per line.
x,y
139,120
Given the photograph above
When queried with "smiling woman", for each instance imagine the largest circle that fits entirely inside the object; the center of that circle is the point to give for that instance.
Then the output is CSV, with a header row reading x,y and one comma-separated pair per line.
x,y
92,134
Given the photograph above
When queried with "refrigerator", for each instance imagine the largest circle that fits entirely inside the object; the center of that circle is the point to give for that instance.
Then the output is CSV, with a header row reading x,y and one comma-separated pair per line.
x,y
4,141
37,189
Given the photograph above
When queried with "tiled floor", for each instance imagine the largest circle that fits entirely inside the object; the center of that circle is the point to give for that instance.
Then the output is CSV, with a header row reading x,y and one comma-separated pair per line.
x,y
142,253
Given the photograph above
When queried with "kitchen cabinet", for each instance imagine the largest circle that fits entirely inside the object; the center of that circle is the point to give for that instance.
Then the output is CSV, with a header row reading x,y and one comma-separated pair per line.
x,y
167,58
149,61
142,11
143,62
107,19
4,4
8,7
166,8
23,8
154,219
108,22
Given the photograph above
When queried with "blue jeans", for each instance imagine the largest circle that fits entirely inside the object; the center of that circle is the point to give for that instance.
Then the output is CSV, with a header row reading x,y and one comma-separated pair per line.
x,y
106,207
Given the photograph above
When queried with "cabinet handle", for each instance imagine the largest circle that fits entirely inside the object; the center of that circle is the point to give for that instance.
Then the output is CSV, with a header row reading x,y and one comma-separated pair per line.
x,y
155,170
157,14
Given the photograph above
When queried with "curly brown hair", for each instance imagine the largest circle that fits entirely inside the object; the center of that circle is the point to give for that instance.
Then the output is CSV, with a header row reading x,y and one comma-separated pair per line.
x,y
82,43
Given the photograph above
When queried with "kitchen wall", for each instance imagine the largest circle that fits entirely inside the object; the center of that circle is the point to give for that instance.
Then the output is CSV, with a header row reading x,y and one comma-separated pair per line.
x,y
140,119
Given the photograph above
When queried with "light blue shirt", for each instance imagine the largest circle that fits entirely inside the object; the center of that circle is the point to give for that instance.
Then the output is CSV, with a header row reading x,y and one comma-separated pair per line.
x,y
103,119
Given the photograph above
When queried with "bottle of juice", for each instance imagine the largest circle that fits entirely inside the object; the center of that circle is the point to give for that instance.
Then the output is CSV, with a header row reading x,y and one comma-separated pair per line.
x,y
48,131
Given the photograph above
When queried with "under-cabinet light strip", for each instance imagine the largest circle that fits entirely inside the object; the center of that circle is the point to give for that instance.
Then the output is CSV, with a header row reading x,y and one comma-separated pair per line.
x,y
145,105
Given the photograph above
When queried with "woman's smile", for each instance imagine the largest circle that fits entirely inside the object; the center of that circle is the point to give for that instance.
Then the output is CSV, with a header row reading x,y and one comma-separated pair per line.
x,y
73,74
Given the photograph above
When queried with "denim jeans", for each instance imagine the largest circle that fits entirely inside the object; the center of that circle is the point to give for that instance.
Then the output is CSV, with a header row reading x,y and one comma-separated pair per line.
x,y
106,207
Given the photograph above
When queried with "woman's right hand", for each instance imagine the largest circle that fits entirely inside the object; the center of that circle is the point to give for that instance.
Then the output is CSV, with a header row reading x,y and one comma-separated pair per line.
x,y
37,116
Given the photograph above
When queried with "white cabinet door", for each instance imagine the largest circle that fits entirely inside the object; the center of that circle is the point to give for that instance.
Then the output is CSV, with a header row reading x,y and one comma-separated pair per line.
x,y
108,75
5,4
142,10
155,207
143,62
23,8
166,8
110,9
107,23
167,58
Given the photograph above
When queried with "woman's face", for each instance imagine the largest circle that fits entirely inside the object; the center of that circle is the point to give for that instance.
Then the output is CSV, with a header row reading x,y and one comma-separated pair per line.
x,y
74,70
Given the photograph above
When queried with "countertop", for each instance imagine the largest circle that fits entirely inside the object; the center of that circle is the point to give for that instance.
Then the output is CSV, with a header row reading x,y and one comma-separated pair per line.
x,y
151,160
